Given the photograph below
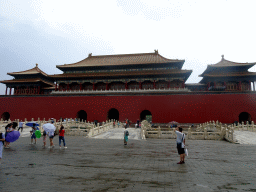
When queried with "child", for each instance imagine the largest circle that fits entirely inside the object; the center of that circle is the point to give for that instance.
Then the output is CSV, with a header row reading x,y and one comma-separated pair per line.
x,y
2,139
61,136
8,129
126,134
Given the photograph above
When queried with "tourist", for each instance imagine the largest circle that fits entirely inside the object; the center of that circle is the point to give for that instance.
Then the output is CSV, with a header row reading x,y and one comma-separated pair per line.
x,y
61,136
51,136
33,135
180,144
21,126
8,129
44,139
2,139
126,134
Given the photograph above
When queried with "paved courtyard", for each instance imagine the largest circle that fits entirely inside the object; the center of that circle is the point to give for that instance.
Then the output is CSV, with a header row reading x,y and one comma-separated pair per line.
x,y
107,165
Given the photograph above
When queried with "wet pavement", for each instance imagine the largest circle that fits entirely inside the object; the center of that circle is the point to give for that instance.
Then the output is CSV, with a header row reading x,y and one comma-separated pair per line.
x,y
118,133
245,137
143,165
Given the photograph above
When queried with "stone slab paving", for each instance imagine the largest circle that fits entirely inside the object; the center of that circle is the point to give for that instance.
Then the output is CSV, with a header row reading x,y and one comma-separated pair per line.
x,y
118,133
245,137
142,165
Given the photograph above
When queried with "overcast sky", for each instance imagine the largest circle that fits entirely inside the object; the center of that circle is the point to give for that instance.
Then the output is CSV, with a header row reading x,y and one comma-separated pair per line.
x,y
51,32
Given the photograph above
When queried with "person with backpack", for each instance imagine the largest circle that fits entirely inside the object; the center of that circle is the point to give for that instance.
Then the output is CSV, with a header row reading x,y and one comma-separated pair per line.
x,y
32,132
180,144
2,139
126,134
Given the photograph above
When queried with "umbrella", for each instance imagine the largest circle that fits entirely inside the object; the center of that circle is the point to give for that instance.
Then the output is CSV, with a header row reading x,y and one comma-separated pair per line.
x,y
174,122
12,136
49,127
30,124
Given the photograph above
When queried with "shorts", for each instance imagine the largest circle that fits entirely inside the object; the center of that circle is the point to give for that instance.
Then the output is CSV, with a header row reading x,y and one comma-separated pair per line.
x,y
180,149
33,136
51,137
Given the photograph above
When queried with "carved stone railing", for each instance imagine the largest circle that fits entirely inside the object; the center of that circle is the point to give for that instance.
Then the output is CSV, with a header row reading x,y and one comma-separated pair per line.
x,y
121,91
206,131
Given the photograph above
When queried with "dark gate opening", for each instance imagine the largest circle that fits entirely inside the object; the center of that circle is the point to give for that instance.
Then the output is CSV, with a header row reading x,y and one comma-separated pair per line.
x,y
5,116
244,116
82,115
113,114
146,115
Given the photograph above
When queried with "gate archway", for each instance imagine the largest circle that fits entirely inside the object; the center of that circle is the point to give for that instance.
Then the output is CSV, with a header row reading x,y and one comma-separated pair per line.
x,y
82,115
5,116
244,116
144,114
113,114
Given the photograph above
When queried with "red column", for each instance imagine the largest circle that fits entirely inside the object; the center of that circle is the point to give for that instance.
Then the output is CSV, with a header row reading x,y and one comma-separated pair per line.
x,y
183,84
140,85
225,85
80,88
240,86
250,88
214,84
126,85
6,90
67,86
34,90
56,86
106,86
10,91
93,86
169,84
154,84
208,86
38,90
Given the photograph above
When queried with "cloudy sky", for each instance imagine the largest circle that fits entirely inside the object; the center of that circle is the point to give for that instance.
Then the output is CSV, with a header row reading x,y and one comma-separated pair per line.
x,y
56,32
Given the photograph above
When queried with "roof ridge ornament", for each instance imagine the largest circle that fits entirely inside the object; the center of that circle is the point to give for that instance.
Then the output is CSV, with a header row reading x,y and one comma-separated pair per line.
x,y
36,64
222,57
90,54
156,51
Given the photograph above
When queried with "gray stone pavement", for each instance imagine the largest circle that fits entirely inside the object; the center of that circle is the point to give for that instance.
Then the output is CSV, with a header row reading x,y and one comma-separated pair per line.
x,y
245,137
107,165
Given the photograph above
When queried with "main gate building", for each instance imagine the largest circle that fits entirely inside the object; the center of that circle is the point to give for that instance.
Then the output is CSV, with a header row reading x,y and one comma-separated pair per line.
x,y
132,86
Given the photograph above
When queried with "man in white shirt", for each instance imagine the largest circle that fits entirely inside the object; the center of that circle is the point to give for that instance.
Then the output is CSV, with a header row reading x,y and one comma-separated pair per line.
x,y
180,144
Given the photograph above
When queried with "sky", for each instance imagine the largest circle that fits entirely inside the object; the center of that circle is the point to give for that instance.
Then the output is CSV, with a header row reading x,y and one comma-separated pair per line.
x,y
57,32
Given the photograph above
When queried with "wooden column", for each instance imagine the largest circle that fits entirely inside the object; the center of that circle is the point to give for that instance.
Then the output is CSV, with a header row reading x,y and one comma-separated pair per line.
x,y
169,82
38,90
126,85
68,87
80,87
214,84
56,86
106,86
6,90
250,88
225,85
140,85
208,86
239,86
183,84
10,91
154,84
93,86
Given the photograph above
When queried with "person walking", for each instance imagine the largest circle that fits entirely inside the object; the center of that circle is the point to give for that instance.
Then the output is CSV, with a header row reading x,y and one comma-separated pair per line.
x,y
2,139
20,126
33,135
51,136
44,138
180,144
61,136
126,134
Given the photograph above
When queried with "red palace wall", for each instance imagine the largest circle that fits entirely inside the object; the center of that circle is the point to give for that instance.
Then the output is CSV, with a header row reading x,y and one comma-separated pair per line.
x,y
183,108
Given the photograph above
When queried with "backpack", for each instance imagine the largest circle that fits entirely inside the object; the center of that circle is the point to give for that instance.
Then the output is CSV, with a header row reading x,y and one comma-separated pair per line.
x,y
127,133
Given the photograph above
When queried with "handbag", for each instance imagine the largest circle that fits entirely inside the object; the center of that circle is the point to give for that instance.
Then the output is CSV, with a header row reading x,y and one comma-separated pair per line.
x,y
186,151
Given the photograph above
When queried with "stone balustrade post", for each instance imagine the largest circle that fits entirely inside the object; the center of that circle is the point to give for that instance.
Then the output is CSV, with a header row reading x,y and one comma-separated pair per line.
x,y
253,128
159,133
189,132
205,133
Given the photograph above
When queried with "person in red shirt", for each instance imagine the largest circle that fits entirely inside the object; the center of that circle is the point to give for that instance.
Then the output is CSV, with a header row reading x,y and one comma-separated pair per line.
x,y
61,136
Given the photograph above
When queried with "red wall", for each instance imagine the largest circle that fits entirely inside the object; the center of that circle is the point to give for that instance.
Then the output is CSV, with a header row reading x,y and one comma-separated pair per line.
x,y
193,108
